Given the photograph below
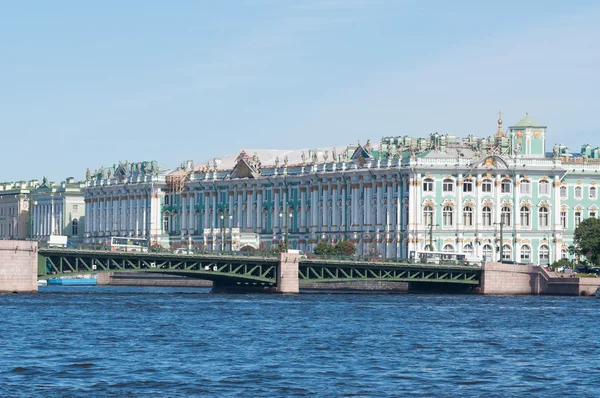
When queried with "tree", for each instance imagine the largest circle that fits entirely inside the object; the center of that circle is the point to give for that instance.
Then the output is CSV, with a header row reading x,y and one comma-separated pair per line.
x,y
345,248
323,248
587,239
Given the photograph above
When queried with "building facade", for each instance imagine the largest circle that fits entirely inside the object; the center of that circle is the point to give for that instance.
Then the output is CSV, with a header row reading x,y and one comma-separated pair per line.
x,y
14,209
481,196
58,209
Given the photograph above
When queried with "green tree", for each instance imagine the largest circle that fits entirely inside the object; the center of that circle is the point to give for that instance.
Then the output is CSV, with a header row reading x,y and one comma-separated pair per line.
x,y
323,248
587,239
560,263
345,248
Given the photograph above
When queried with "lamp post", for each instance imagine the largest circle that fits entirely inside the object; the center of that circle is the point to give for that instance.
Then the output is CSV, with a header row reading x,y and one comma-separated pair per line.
x,y
431,235
501,246
285,227
32,204
223,218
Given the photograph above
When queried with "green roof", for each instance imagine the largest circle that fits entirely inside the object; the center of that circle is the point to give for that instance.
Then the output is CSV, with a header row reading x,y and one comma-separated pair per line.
x,y
527,121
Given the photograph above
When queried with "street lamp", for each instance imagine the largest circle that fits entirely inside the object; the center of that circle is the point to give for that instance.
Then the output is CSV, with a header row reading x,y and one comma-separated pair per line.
x,y
31,206
223,217
431,235
285,230
501,246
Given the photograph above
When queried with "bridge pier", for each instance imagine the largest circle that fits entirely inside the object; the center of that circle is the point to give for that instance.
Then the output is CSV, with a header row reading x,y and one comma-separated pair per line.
x,y
287,273
18,266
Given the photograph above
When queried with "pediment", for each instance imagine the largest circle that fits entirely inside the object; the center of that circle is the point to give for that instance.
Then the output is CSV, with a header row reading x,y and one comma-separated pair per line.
x,y
243,169
492,162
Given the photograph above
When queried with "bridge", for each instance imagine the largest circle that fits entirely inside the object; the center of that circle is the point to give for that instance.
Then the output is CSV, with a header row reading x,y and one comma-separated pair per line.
x,y
249,272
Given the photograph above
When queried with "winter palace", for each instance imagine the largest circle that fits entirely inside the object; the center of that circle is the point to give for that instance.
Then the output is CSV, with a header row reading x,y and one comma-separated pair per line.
x,y
503,194
487,197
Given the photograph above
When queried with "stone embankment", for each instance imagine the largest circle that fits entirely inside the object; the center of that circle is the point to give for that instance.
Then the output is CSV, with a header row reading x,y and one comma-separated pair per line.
x,y
18,266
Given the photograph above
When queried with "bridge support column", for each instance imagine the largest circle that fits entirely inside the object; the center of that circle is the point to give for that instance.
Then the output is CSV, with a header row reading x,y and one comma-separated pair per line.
x,y
18,266
287,274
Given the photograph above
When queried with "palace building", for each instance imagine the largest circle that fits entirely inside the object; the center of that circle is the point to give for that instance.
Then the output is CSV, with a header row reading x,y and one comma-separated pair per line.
x,y
481,196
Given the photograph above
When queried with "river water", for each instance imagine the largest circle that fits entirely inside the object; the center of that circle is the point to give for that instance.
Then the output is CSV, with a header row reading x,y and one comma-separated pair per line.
x,y
126,341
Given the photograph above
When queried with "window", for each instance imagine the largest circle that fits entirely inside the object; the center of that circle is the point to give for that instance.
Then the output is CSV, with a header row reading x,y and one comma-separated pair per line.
x,y
448,248
543,215
506,216
166,223
544,254
487,253
506,252
74,228
525,217
448,185
487,216
577,218
167,200
525,253
468,249
564,253
563,192
593,193
592,214
448,216
468,216
544,187
486,186
506,186
525,187
428,215
468,186
563,219
406,215
428,185
578,192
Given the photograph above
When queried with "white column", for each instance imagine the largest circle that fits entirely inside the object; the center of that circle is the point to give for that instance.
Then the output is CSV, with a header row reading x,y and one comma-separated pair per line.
x,y
302,207
258,210
325,198
334,207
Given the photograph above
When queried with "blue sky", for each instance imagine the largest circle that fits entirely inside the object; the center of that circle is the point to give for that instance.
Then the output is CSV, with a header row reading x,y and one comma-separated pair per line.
x,y
88,84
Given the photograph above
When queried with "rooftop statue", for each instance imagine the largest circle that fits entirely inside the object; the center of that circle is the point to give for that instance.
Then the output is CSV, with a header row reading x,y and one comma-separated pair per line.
x,y
315,156
44,181
88,175
303,156
555,151
285,160
325,156
277,161
334,155
109,174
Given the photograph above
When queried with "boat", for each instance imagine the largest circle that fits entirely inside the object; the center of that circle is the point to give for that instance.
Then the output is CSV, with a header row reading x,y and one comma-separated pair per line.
x,y
85,280
42,282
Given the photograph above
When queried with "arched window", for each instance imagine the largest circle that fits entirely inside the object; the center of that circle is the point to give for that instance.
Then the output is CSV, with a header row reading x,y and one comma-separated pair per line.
x,y
525,216
428,185
525,254
428,248
544,187
506,186
406,215
577,218
167,200
428,215
74,227
488,252
564,253
506,252
448,216
468,249
487,216
563,192
578,192
525,187
543,215
593,193
468,216
166,224
448,185
506,216
448,248
544,254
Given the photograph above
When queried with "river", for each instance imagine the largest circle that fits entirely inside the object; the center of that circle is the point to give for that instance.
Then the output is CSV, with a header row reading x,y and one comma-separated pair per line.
x,y
147,341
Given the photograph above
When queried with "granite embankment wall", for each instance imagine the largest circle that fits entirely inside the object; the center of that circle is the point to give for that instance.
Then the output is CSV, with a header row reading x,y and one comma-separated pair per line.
x,y
18,266
514,279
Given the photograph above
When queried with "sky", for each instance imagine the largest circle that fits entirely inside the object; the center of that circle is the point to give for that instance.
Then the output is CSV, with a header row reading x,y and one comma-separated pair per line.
x,y
89,84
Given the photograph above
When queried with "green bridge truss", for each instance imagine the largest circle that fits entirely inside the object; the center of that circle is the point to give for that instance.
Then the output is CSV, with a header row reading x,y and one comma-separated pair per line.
x,y
255,270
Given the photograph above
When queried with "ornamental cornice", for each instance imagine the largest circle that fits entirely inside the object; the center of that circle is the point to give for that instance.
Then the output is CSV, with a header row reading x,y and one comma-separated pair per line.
x,y
507,203
525,203
449,240
544,178
488,202
448,202
544,203
579,182
564,208
429,202
593,183
468,202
